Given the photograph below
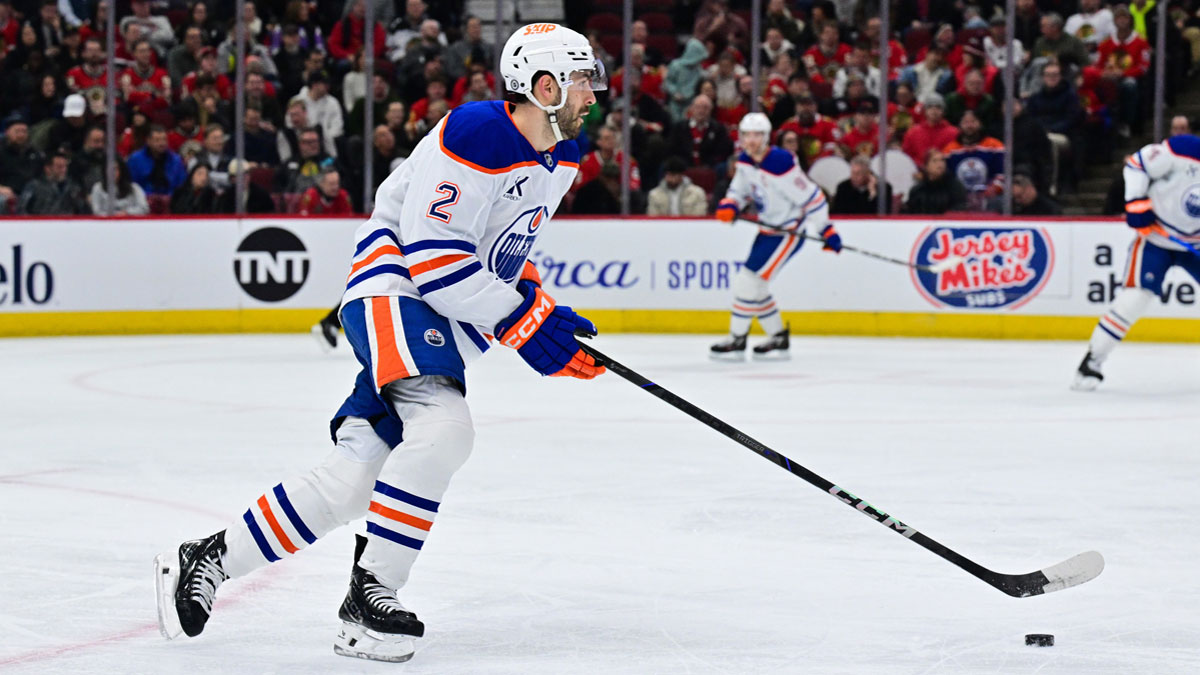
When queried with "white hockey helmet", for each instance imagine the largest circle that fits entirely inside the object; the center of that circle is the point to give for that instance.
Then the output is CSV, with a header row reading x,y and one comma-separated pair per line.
x,y
555,49
755,121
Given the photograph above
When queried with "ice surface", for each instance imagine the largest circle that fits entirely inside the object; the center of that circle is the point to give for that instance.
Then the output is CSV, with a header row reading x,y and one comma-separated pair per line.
x,y
597,530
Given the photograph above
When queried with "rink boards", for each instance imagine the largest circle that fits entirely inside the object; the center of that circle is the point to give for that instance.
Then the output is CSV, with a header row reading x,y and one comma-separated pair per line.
x,y
1011,278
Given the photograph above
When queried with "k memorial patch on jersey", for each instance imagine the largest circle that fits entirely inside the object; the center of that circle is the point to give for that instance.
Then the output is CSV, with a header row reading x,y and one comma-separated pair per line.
x,y
512,247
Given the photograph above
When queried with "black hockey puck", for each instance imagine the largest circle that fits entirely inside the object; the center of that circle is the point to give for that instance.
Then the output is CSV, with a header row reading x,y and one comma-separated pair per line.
x,y
1039,640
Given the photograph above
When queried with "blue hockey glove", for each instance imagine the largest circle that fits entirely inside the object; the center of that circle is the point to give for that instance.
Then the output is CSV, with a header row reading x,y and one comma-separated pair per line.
x,y
1139,215
543,333
833,240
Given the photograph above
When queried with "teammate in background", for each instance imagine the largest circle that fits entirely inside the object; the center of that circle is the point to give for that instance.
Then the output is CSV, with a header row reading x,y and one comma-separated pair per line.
x,y
769,178
439,269
1162,202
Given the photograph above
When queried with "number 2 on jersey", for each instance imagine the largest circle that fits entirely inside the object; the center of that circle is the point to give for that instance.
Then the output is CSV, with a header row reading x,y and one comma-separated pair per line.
x,y
437,206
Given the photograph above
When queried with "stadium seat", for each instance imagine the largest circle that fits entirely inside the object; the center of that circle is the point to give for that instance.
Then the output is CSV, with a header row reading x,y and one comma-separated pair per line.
x,y
667,45
828,172
900,170
658,23
916,39
605,23
613,44
666,6
703,177
263,176
159,204
613,6
822,91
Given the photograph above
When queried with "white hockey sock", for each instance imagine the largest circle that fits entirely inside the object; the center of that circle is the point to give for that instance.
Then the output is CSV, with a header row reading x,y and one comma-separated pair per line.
x,y
1115,324
739,324
751,299
438,436
300,510
772,321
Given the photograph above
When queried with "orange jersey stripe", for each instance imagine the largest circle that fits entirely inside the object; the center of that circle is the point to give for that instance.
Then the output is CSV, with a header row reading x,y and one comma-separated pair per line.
x,y
401,517
787,248
279,533
1131,277
375,255
1140,206
440,261
389,366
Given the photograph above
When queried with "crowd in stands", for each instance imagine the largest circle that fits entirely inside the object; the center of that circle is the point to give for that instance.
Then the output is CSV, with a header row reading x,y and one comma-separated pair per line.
x,y
1084,74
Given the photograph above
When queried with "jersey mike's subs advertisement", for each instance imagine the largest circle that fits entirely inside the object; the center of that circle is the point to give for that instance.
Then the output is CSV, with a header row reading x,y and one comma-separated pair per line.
x,y
946,277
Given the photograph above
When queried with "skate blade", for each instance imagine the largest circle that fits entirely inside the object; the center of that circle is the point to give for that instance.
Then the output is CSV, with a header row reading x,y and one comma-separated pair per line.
x,y
776,355
1085,383
166,580
729,357
361,643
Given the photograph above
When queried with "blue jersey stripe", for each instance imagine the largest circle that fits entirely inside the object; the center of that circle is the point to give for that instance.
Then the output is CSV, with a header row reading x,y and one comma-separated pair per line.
x,y
406,497
380,531
373,237
427,244
259,539
474,336
376,271
281,496
450,279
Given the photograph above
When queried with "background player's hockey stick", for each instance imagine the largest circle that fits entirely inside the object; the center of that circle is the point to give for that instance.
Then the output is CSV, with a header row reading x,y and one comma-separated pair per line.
x,y
942,266
1071,572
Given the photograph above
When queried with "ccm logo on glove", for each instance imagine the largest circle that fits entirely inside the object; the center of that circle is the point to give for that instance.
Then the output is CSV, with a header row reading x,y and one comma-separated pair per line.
x,y
527,325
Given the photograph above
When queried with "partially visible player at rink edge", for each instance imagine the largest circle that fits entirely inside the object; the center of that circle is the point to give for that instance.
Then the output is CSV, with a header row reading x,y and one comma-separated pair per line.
x,y
1162,201
770,178
439,276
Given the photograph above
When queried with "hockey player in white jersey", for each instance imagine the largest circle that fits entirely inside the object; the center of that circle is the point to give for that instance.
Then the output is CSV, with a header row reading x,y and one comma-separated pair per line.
x,y
1162,200
770,178
439,276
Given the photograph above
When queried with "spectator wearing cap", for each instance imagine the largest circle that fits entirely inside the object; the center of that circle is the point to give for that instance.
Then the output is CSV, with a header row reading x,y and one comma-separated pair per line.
x,y
185,57
1056,106
145,83
818,135
208,67
326,198
156,29
1066,48
934,133
608,140
19,160
348,36
927,76
936,190
323,110
67,134
698,139
130,198
676,194
829,54
857,63
859,194
1123,60
53,193
975,158
995,45
972,96
469,50
255,199
683,77
156,167
862,139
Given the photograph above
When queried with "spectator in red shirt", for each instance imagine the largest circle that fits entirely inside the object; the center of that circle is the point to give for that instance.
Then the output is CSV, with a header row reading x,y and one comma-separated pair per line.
x,y
829,54
185,126
897,55
9,26
435,90
652,78
208,66
347,37
326,198
818,134
605,152
863,137
934,133
1123,60
143,82
91,73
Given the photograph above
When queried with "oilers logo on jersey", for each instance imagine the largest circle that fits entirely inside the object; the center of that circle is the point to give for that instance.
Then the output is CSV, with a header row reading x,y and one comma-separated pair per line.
x,y
514,243
1191,200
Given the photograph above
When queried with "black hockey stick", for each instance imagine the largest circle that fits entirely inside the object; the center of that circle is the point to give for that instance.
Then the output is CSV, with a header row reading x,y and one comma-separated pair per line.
x,y
933,269
1071,572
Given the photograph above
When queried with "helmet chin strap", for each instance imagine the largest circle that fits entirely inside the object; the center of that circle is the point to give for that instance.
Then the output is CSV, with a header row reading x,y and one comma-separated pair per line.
x,y
552,111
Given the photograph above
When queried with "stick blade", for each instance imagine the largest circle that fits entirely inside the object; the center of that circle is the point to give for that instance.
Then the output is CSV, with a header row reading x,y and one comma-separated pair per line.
x,y
948,263
1070,572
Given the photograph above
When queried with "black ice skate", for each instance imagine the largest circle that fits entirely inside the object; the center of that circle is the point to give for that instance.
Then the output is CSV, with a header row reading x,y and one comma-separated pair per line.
x,y
1088,376
187,581
733,349
374,624
775,348
326,332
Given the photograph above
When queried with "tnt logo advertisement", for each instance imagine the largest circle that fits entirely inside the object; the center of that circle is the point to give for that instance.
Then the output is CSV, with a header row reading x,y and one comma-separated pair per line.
x,y
997,267
271,264
24,281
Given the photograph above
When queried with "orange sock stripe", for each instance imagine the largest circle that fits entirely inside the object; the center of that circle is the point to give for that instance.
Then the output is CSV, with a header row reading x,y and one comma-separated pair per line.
x,y
375,255
279,533
440,261
400,516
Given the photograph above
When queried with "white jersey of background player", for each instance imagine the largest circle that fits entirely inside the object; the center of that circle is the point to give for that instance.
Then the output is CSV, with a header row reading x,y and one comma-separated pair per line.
x,y
1162,203
770,179
439,274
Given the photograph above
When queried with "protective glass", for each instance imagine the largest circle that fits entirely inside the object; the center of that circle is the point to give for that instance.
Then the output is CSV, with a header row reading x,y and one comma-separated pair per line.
x,y
590,80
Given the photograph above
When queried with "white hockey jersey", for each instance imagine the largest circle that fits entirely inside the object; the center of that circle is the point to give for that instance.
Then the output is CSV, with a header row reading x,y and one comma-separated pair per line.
x,y
453,225
779,191
1168,175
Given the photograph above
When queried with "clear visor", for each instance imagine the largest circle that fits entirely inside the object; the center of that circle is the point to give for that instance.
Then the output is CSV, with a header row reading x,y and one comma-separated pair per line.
x,y
590,80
